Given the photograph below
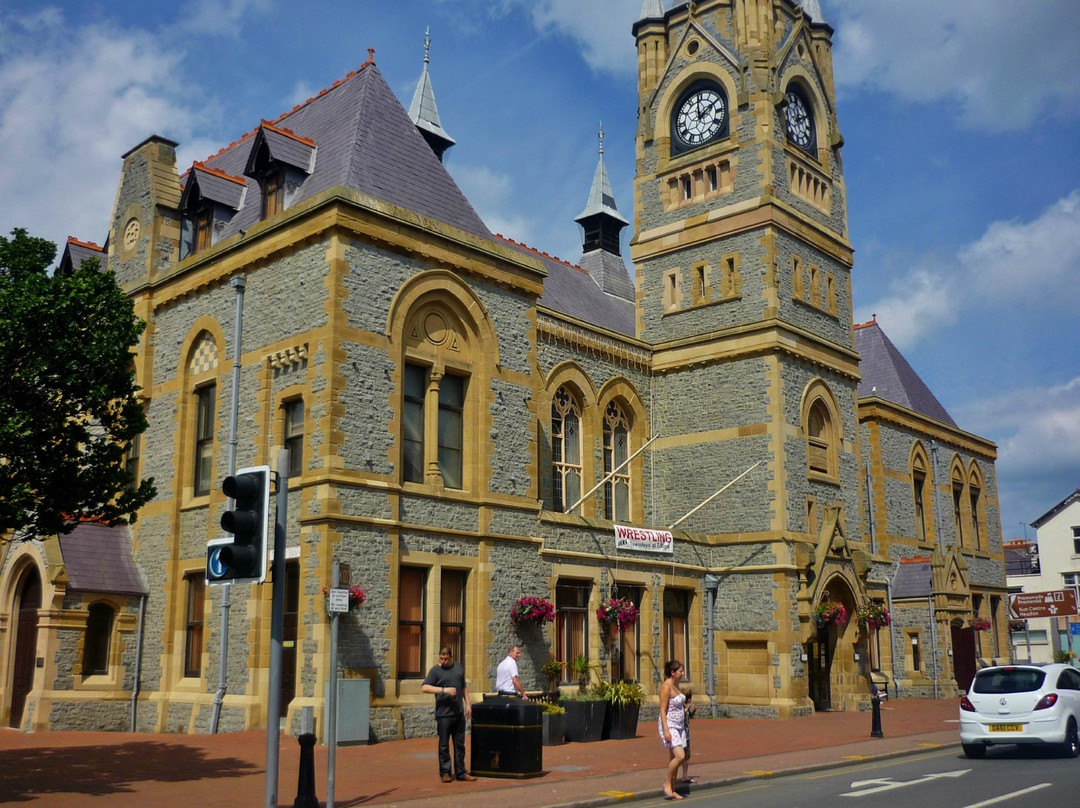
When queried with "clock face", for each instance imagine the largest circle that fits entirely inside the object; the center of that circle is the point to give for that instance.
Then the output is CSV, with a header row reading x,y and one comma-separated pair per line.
x,y
701,117
800,127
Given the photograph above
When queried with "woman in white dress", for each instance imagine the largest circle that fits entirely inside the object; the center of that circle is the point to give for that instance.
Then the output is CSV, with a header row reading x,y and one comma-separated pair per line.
x,y
673,723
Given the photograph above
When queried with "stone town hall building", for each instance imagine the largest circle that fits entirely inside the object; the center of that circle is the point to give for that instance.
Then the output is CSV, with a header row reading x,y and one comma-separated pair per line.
x,y
450,395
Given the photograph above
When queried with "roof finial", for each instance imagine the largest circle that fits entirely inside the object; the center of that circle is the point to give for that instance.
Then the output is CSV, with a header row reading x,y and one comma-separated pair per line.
x,y
370,57
427,45
601,140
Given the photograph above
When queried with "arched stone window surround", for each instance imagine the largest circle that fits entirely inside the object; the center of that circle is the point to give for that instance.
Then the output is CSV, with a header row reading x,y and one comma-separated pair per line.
x,y
823,432
282,399
977,505
436,322
958,495
922,480
623,394
196,375
100,617
569,375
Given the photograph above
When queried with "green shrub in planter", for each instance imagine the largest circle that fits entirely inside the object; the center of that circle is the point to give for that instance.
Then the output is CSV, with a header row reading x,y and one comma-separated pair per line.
x,y
624,703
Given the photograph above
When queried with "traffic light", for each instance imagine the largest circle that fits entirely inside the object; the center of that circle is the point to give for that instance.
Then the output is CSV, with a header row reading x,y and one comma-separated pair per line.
x,y
248,522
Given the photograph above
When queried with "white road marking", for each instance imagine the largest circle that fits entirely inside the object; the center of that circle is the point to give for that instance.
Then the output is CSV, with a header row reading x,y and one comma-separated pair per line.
x,y
1003,797
888,785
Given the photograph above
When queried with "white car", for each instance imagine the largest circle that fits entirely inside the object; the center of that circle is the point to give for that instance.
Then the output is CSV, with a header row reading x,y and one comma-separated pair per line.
x,y
1022,704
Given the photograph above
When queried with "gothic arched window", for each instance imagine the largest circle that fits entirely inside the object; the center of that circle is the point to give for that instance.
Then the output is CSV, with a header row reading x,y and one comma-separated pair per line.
x,y
565,449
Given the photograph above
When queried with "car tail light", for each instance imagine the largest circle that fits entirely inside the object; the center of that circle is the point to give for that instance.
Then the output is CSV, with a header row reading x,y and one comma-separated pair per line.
x,y
966,705
1047,701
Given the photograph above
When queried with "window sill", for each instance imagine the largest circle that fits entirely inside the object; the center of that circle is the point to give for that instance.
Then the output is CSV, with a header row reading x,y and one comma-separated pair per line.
x,y
99,681
822,477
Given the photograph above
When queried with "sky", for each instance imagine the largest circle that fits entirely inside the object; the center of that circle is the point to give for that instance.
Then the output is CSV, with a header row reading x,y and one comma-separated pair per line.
x,y
961,123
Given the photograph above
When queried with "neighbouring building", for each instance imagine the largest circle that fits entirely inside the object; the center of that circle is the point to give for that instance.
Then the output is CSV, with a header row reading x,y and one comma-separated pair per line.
x,y
470,420
1053,565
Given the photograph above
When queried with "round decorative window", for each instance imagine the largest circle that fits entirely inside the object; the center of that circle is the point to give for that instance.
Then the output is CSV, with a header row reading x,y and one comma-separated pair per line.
x,y
131,234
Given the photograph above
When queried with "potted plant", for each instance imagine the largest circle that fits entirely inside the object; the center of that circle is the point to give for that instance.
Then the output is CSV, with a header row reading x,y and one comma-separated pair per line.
x,y
580,667
617,613
830,611
554,723
530,612
585,713
873,615
981,623
624,699
552,669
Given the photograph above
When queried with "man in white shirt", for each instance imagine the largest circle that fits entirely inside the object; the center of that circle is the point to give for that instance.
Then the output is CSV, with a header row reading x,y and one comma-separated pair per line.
x,y
507,682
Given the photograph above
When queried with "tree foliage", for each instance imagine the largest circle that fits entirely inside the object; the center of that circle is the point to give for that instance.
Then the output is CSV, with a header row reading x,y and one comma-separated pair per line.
x,y
69,409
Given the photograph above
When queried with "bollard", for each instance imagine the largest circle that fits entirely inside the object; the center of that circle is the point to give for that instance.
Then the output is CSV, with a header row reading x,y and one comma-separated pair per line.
x,y
305,779
875,726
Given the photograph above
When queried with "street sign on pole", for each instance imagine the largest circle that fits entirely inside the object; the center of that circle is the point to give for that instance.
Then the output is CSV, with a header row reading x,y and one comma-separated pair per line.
x,y
1031,605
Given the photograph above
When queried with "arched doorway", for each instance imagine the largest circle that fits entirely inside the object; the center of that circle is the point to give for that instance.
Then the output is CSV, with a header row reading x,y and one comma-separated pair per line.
x,y
22,680
963,648
832,669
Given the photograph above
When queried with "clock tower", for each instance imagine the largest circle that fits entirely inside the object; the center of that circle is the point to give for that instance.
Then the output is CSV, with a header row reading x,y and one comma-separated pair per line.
x,y
743,268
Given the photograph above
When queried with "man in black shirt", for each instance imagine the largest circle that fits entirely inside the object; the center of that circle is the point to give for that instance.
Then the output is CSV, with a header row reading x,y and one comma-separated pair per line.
x,y
447,682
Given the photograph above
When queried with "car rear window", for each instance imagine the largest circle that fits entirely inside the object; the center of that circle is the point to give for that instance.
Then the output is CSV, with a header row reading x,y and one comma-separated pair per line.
x,y
1016,681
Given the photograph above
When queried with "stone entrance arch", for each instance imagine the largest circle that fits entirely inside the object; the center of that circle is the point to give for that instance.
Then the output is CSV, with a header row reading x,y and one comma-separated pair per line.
x,y
835,677
24,646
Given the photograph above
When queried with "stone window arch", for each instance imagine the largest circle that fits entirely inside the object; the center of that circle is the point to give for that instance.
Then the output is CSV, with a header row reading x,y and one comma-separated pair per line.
x,y
616,452
201,409
622,425
823,432
977,506
958,490
566,448
97,642
920,490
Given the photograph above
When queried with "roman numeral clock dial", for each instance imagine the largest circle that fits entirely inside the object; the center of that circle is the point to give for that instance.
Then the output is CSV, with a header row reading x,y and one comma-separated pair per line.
x,y
701,117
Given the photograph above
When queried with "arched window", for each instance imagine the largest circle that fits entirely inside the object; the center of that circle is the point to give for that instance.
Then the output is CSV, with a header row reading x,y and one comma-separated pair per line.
x,y
616,451
202,369
99,622
920,492
975,499
957,477
565,449
818,436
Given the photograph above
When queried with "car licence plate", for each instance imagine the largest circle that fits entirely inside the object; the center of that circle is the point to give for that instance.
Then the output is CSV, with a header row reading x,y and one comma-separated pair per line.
x,y
1006,727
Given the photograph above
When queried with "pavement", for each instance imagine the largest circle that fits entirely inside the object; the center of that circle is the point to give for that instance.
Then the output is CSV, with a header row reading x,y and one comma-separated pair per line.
x,y
126,770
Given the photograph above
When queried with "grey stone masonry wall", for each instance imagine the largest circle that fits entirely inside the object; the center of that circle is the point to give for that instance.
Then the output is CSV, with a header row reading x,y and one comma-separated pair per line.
x,y
511,437
716,312
796,378
517,570
836,328
369,389
746,603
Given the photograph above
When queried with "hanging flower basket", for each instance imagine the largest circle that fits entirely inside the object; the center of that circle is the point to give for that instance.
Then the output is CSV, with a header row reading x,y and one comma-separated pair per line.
x,y
619,612
357,596
830,612
981,623
873,615
531,611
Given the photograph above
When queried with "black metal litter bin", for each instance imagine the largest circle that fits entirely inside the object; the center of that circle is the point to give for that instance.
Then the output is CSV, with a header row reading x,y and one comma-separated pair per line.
x,y
507,738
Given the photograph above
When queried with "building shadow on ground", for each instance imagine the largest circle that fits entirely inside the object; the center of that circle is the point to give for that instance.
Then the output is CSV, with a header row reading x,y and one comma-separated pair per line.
x,y
108,769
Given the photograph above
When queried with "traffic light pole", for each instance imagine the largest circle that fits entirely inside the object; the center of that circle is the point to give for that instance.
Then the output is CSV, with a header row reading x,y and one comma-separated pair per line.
x,y
277,632
239,283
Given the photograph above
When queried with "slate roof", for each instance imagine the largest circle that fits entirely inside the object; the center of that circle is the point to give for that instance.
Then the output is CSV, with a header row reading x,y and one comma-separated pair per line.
x,y
571,290
285,147
886,374
365,141
1050,514
216,186
98,559
75,252
912,579
1018,559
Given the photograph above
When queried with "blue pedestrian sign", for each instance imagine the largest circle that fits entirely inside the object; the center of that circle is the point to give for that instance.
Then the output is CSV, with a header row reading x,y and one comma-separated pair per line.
x,y
1074,629
217,572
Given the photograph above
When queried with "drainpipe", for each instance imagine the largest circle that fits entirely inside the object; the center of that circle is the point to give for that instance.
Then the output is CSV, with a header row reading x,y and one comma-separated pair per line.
x,y
870,512
892,647
712,584
933,643
138,664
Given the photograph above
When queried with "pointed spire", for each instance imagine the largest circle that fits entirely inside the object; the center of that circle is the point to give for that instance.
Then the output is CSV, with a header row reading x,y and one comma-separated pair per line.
x,y
602,223
652,10
424,112
812,9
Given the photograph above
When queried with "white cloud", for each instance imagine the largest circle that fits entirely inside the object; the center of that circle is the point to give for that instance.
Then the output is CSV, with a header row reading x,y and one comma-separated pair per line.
x,y
491,194
218,17
1005,64
71,102
601,27
1012,263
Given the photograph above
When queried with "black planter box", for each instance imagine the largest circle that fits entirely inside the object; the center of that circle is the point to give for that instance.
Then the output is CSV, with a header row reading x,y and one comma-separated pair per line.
x,y
621,722
507,737
585,720
554,728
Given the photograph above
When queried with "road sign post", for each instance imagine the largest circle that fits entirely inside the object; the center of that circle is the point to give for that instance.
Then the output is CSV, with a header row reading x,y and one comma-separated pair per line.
x,y
1032,605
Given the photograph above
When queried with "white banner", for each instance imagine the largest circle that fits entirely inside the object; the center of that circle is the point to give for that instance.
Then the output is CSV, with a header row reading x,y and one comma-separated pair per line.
x,y
640,538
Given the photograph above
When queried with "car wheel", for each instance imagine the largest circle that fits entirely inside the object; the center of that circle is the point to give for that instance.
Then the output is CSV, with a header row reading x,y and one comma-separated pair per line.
x,y
1071,747
975,750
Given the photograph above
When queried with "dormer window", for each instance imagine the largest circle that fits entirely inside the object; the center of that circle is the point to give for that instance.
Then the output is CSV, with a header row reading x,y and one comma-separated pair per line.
x,y
203,228
273,194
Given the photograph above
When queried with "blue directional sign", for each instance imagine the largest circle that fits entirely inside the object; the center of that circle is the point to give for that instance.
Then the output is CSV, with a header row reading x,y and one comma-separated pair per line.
x,y
216,570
